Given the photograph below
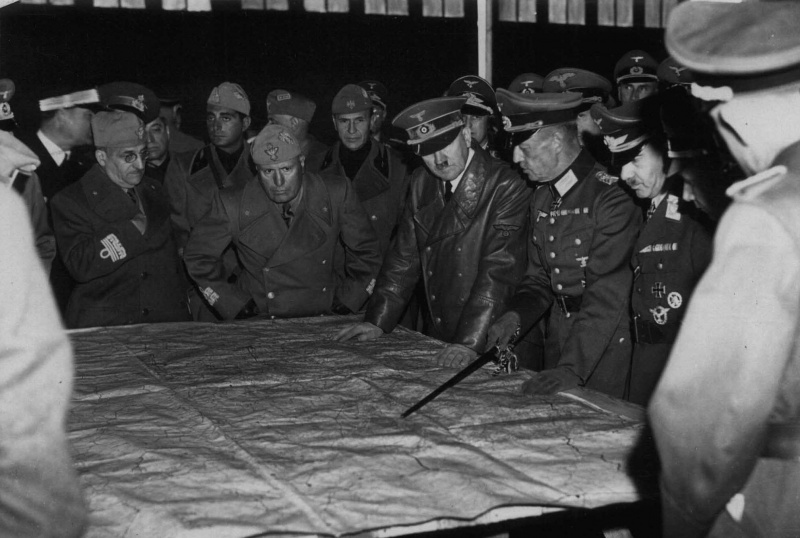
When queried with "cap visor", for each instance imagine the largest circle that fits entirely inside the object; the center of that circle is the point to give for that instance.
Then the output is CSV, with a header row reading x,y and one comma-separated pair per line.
x,y
622,158
436,143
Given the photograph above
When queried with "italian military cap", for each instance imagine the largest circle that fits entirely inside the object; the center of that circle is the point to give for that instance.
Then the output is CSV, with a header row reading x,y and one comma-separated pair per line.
x,y
636,66
117,129
274,144
433,124
7,89
527,83
481,99
230,95
671,73
377,92
130,97
290,104
593,87
625,128
524,114
351,98
740,48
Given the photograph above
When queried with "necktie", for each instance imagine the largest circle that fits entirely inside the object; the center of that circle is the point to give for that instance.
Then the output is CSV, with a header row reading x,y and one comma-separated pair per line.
x,y
652,210
448,191
287,214
140,220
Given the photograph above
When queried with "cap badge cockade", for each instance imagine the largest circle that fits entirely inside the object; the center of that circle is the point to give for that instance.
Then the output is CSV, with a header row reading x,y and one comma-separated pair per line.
x,y
238,95
506,123
351,104
425,129
418,116
562,79
470,83
138,103
272,151
678,70
286,138
614,143
283,96
636,70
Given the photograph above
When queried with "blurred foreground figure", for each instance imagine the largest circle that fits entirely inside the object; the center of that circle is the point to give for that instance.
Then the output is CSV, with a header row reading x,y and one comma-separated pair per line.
x,y
726,413
39,494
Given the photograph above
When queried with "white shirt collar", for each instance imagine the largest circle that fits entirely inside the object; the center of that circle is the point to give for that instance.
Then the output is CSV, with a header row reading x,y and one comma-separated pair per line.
x,y
59,155
657,200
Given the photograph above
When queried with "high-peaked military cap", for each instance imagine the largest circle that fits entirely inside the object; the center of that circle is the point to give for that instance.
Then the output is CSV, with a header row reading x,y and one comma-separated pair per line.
x,y
433,124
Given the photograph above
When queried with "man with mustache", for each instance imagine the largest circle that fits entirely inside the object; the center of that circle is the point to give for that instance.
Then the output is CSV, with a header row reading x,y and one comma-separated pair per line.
x,y
582,230
462,232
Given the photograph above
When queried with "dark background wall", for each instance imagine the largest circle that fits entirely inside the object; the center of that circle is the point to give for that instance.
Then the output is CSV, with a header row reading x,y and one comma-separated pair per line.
x,y
185,54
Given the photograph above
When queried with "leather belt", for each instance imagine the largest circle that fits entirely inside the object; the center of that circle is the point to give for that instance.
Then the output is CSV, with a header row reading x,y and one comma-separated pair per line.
x,y
568,304
783,441
647,332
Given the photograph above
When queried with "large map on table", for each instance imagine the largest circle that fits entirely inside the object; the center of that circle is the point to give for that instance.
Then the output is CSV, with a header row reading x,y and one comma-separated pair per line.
x,y
232,430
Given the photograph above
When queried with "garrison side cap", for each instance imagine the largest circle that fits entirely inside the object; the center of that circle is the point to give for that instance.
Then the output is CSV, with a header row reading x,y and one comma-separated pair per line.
x,y
130,97
746,47
625,128
636,66
481,99
433,124
670,72
527,83
593,87
377,92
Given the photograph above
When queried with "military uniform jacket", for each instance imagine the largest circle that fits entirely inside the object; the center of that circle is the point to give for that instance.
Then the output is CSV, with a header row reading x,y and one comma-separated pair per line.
x,y
671,254
193,188
289,273
122,276
735,368
582,249
381,185
470,252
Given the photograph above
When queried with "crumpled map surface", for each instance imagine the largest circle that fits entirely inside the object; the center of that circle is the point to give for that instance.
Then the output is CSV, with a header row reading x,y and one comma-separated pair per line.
x,y
271,427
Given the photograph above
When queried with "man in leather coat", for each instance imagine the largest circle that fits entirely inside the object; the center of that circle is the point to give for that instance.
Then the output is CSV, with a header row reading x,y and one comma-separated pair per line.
x,y
462,231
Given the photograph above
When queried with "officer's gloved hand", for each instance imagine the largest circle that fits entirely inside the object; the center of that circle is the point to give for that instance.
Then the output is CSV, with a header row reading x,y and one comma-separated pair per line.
x,y
248,311
502,330
550,382
455,356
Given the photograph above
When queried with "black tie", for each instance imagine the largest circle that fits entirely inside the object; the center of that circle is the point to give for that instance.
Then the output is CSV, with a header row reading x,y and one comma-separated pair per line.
x,y
448,191
287,214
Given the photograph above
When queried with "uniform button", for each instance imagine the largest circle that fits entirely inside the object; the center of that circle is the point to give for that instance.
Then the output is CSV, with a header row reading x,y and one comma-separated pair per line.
x,y
621,340
552,220
551,238
660,265
430,273
577,241
638,290
552,254
270,295
427,249
266,269
458,249
324,262
438,320
144,275
559,287
460,274
534,239
374,217
324,289
433,297
569,314
145,311
557,270
272,317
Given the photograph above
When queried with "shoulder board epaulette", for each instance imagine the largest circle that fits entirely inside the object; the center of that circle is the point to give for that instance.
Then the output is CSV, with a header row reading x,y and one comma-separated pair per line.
x,y
200,160
749,188
606,178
